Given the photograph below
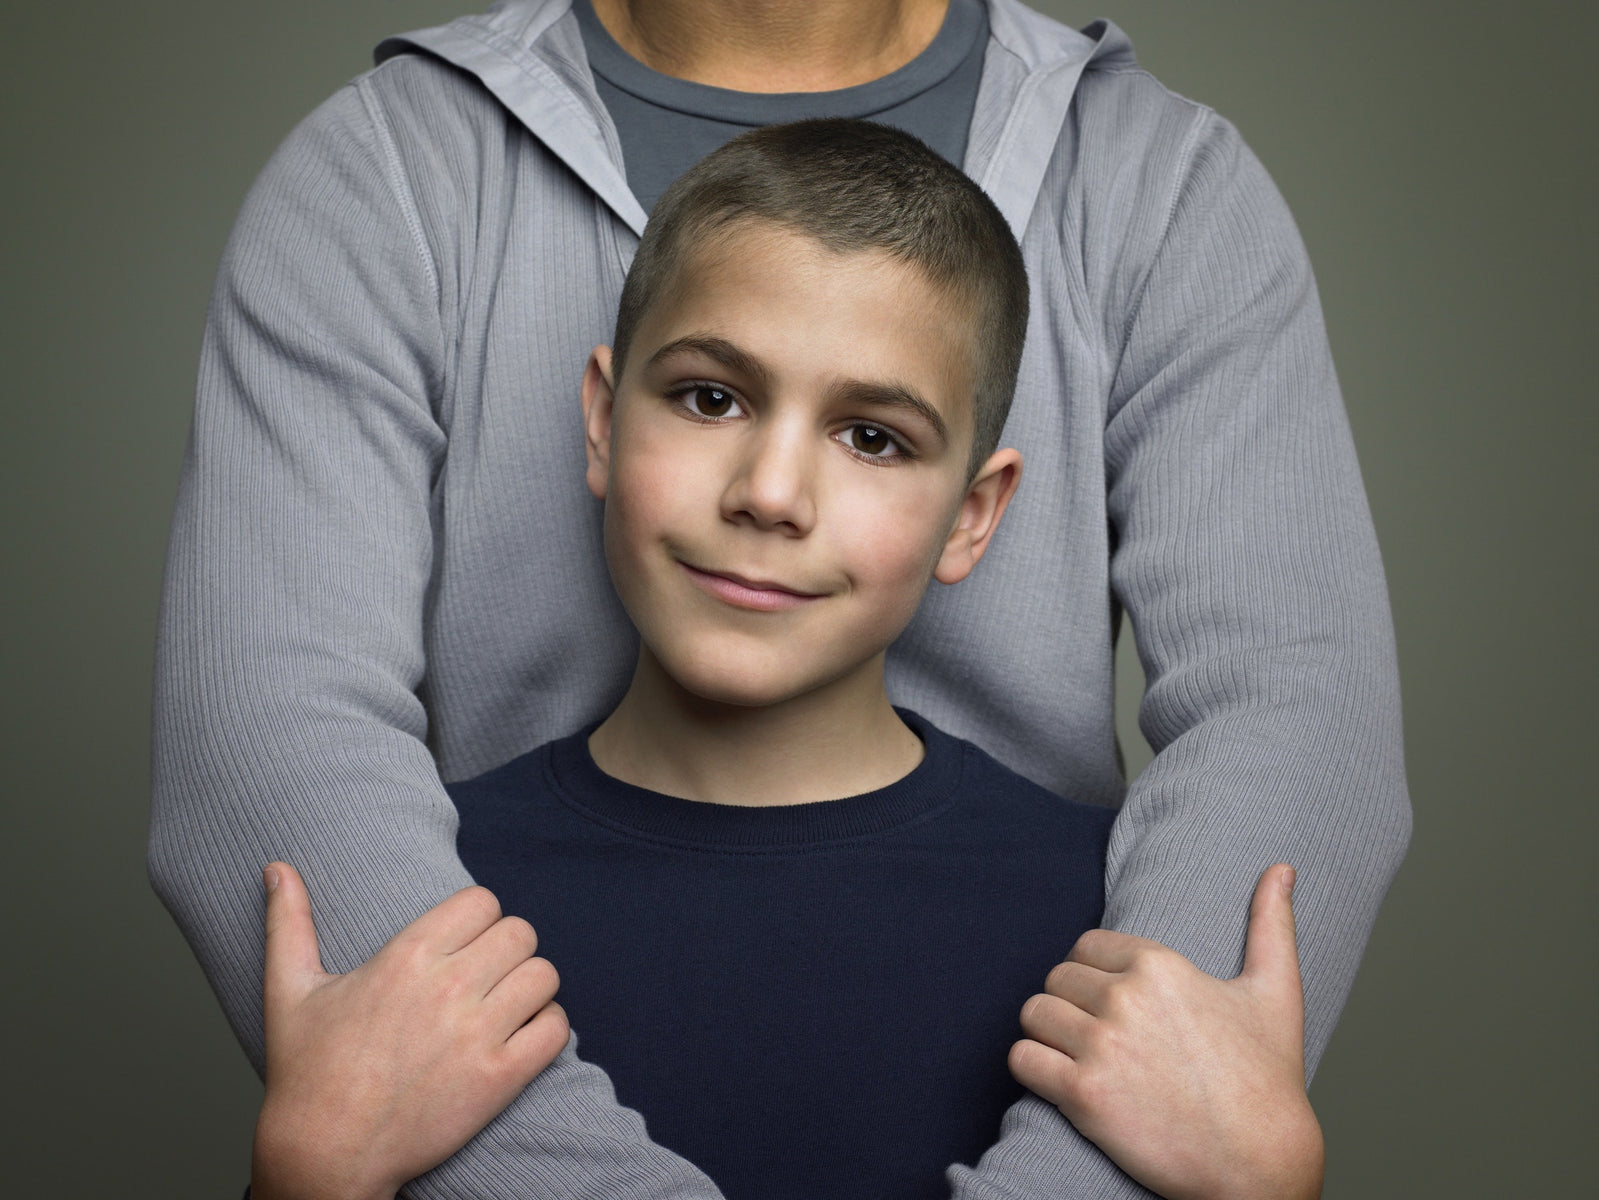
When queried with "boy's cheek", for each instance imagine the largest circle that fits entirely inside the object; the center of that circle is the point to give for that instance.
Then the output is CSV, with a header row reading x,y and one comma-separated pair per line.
x,y
899,542
645,505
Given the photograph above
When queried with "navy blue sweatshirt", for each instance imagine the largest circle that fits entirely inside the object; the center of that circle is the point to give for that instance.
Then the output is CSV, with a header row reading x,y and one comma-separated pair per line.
x,y
807,1001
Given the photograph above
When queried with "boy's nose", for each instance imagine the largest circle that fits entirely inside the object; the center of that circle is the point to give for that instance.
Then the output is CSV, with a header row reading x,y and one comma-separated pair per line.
x,y
773,485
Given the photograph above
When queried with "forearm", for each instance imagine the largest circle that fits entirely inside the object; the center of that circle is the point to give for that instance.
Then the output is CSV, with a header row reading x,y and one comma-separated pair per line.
x,y
1040,1156
1248,564
1223,802
288,723
1245,555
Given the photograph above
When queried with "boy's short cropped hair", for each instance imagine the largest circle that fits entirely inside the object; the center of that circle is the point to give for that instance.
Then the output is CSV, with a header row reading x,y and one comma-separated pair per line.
x,y
852,186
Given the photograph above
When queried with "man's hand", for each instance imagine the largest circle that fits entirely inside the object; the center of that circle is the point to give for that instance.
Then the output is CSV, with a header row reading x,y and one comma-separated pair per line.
x,y
374,1077
1194,1086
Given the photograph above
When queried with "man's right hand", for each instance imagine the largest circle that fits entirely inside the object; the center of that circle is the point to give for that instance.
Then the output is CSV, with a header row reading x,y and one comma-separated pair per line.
x,y
374,1077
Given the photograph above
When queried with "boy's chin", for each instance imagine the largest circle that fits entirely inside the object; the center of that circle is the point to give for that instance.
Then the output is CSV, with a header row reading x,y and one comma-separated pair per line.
x,y
742,691
746,684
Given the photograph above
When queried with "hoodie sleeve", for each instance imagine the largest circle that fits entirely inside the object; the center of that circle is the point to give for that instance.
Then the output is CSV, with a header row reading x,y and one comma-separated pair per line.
x,y
1245,557
287,717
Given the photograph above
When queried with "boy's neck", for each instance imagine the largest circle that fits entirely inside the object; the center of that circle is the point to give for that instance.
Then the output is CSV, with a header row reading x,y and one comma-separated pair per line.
x,y
843,739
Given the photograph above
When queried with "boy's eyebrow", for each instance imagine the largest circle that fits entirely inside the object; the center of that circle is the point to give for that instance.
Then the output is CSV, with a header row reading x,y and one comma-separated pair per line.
x,y
718,349
891,395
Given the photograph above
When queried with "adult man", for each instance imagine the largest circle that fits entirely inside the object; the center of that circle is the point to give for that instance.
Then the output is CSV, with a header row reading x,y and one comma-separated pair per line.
x,y
360,598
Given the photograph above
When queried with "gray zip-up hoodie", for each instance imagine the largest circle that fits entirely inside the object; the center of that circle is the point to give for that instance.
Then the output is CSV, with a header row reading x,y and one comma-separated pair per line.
x,y
385,567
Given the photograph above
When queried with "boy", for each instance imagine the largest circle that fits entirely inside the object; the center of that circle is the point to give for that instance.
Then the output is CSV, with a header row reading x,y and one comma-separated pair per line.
x,y
795,922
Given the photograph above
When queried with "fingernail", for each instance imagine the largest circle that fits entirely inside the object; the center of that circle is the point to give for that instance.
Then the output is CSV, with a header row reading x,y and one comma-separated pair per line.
x,y
1289,878
269,876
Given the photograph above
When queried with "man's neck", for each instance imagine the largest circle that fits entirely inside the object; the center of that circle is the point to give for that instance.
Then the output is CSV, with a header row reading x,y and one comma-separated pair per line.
x,y
840,740
773,45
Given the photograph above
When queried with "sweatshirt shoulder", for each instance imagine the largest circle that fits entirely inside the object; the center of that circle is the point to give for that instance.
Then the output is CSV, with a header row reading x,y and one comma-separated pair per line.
x,y
1125,116
410,116
421,96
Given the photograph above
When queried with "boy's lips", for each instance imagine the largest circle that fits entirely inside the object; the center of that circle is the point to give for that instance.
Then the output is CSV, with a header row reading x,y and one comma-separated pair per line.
x,y
742,592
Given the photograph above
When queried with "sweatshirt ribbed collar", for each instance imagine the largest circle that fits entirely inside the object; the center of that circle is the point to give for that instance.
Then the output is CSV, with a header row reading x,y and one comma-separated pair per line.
x,y
931,786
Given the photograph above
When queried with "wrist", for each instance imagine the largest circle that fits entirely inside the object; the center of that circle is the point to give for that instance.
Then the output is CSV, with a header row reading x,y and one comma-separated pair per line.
x,y
289,1161
1282,1158
1289,1163
1307,1162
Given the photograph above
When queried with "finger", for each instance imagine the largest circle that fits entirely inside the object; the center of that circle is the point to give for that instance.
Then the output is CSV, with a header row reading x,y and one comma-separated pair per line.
x,y
1108,950
537,1043
1044,1070
293,963
498,950
1271,956
1058,1024
521,994
1083,985
455,921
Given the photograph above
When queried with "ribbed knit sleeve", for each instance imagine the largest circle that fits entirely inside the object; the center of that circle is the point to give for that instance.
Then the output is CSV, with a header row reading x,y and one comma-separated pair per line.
x,y
1244,554
1247,562
287,718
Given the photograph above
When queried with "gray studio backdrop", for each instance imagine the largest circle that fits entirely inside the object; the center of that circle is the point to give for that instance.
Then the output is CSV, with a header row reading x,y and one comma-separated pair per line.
x,y
1440,160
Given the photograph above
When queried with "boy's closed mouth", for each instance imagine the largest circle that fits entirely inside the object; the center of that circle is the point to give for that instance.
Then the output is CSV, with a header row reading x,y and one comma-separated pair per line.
x,y
741,592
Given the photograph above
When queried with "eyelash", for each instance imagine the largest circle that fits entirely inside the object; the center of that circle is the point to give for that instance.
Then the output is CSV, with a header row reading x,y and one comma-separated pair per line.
x,y
679,396
902,452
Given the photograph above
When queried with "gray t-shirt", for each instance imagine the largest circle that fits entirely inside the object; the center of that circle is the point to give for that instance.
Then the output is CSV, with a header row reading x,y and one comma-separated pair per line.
x,y
667,125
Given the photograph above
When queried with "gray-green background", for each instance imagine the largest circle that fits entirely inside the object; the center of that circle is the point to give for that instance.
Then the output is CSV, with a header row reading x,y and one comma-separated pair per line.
x,y
1440,159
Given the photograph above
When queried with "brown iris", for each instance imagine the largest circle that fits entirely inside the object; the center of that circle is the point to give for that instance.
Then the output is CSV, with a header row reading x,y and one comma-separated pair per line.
x,y
869,439
713,402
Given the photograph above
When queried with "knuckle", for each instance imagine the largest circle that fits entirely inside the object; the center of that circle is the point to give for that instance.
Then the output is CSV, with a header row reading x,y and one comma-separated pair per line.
x,y
1153,958
560,1023
549,977
1033,1009
556,1033
411,955
1088,1089
1109,1041
1120,999
1146,970
1094,945
501,1070
1023,1061
479,900
550,1031
454,984
1160,974
521,932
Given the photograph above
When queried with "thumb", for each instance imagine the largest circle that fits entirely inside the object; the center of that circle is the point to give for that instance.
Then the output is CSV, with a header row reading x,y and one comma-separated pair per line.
x,y
293,963
1271,954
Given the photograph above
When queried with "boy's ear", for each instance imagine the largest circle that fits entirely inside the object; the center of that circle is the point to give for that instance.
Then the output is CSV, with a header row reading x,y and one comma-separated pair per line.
x,y
986,497
599,398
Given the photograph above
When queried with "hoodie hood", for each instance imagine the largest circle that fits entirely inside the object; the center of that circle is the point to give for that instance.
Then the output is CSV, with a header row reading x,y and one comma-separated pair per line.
x,y
530,56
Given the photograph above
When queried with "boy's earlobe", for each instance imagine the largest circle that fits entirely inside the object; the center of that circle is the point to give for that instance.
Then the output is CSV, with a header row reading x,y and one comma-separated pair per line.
x,y
599,399
987,496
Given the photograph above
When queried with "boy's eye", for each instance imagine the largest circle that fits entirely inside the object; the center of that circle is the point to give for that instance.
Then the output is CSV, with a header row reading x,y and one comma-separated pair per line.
x,y
872,441
707,400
